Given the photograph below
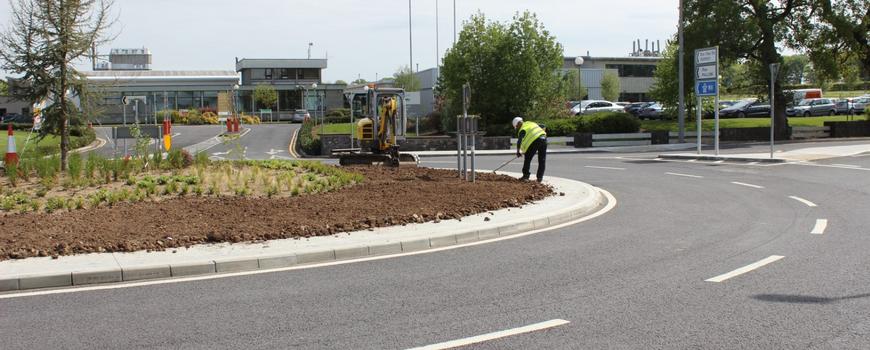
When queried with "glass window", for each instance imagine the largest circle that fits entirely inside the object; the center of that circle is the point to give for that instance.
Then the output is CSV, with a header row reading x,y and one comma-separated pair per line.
x,y
210,99
285,73
185,100
258,74
268,74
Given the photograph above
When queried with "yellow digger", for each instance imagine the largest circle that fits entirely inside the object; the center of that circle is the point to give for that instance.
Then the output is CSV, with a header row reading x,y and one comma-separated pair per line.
x,y
379,130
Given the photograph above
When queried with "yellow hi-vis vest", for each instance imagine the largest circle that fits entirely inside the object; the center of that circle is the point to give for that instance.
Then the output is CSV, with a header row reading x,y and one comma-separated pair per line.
x,y
533,132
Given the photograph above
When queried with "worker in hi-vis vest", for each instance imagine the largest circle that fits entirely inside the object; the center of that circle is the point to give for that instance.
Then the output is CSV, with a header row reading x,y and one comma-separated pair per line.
x,y
531,139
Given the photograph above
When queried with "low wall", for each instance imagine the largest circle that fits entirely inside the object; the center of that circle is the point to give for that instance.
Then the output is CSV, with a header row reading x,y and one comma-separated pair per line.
x,y
416,144
849,129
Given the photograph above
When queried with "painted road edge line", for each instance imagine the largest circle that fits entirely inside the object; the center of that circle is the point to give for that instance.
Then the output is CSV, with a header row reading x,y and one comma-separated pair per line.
x,y
821,225
603,167
291,148
494,335
610,204
685,175
746,184
804,201
745,269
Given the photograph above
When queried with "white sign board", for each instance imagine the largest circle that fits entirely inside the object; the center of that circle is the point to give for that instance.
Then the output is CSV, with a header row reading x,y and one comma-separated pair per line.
x,y
706,56
412,98
706,73
127,99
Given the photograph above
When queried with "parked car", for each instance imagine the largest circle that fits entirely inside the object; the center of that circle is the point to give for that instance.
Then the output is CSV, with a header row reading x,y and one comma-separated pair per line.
x,y
861,103
17,118
726,104
812,107
635,108
595,106
300,115
749,107
845,106
653,111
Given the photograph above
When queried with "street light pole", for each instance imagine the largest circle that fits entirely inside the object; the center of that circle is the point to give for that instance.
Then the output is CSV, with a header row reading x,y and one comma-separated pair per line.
x,y
681,111
454,22
437,48
774,69
309,50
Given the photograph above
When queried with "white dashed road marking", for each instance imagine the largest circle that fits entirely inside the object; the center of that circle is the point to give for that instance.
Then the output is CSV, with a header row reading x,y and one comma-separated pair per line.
x,y
745,269
494,335
746,184
804,201
821,225
686,175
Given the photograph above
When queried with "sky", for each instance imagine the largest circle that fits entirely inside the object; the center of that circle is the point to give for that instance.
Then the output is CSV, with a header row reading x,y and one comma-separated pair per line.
x,y
362,38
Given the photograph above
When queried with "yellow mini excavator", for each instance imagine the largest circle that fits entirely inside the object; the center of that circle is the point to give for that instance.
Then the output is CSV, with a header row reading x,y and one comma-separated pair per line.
x,y
379,130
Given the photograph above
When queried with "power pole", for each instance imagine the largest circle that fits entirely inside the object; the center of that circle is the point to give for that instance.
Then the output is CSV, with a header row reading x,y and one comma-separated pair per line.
x,y
454,22
437,48
410,39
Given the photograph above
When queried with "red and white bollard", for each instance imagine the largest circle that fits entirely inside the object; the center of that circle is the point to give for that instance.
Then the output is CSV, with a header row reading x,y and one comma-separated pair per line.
x,y
11,154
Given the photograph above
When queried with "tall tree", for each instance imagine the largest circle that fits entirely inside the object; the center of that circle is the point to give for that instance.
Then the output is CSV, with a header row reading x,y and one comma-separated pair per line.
x,y
43,40
610,86
4,88
745,30
574,89
512,69
794,69
406,79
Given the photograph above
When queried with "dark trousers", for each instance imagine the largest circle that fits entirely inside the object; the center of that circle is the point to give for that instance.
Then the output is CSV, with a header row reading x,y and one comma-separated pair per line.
x,y
538,146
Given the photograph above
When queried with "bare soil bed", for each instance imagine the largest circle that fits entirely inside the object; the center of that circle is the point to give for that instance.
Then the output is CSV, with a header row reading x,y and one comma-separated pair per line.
x,y
386,197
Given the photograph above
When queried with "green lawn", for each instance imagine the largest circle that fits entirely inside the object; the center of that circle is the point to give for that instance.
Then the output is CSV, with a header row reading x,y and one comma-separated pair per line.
x,y
707,124
49,145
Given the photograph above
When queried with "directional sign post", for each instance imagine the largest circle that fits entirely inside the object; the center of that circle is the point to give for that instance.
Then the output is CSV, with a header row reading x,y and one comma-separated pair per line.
x,y
707,84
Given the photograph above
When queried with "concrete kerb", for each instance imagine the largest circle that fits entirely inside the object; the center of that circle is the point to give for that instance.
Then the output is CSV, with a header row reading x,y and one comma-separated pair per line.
x,y
721,157
462,232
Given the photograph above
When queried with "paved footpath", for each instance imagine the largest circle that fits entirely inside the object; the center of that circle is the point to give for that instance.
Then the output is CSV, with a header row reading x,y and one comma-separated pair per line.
x,y
579,200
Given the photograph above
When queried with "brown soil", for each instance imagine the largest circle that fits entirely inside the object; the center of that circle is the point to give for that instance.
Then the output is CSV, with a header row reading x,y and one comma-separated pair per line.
x,y
387,197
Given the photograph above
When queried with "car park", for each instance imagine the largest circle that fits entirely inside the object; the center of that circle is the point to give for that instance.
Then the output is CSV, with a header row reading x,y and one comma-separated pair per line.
x,y
860,104
812,107
750,107
595,106
845,106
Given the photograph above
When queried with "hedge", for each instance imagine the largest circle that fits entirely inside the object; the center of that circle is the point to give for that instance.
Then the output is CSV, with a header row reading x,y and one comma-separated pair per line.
x,y
598,123
307,141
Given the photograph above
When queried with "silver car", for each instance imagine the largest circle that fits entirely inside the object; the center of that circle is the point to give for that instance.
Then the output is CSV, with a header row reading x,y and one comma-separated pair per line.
x,y
595,106
857,105
813,107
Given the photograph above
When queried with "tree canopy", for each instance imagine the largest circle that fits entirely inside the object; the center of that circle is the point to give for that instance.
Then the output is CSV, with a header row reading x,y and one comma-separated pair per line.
x,y
513,70
610,86
265,95
406,79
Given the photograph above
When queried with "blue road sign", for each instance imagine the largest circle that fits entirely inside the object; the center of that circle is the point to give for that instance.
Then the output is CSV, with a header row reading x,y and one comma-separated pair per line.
x,y
706,88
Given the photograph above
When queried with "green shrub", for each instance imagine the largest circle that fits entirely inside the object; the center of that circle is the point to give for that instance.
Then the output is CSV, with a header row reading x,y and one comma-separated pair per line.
x,y
610,123
55,203
867,112
307,141
12,173
75,166
560,126
91,165
179,159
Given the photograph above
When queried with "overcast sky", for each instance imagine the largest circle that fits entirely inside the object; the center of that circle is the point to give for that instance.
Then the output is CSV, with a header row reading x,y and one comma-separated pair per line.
x,y
362,37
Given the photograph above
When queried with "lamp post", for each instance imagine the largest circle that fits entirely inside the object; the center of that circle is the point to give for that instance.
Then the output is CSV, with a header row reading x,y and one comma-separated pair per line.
x,y
235,98
309,49
314,87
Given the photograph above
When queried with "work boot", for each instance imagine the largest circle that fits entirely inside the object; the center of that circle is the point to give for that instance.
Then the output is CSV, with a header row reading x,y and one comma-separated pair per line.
x,y
540,180
524,178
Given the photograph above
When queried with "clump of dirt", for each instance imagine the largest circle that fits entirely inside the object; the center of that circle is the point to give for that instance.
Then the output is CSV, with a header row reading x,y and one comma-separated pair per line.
x,y
387,197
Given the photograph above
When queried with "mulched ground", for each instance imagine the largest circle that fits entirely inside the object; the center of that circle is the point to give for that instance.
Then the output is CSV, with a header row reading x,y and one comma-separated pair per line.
x,y
387,197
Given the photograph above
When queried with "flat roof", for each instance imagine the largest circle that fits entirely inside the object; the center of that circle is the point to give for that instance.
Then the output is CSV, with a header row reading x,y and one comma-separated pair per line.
x,y
277,63
627,58
158,74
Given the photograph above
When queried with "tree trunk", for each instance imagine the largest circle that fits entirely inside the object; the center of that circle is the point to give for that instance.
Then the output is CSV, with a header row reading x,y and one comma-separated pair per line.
x,y
769,55
64,121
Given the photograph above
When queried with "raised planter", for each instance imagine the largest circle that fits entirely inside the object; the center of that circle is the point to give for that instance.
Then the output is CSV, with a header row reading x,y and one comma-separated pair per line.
x,y
416,144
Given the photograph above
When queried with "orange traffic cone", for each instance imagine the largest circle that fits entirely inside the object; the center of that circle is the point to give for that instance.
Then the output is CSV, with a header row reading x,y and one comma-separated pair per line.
x,y
11,154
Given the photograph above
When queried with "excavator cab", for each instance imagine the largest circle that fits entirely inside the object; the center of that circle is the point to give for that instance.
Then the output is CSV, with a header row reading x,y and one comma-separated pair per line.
x,y
380,129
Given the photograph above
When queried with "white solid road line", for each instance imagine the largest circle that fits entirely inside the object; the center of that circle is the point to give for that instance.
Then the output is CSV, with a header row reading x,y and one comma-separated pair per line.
x,y
847,165
821,225
745,269
746,184
685,175
603,167
611,203
494,335
804,201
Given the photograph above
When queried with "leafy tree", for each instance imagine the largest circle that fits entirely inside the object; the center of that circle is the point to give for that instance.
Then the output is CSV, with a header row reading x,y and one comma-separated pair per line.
x,y
359,81
43,40
833,32
340,82
745,30
574,89
406,79
265,95
4,88
794,69
610,86
511,67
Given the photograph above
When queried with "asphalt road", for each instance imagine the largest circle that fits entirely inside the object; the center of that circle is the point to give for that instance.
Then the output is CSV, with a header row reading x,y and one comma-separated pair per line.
x,y
634,278
265,141
182,136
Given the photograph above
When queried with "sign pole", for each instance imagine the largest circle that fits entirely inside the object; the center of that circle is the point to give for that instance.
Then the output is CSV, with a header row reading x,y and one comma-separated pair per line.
x,y
716,117
698,119
774,68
